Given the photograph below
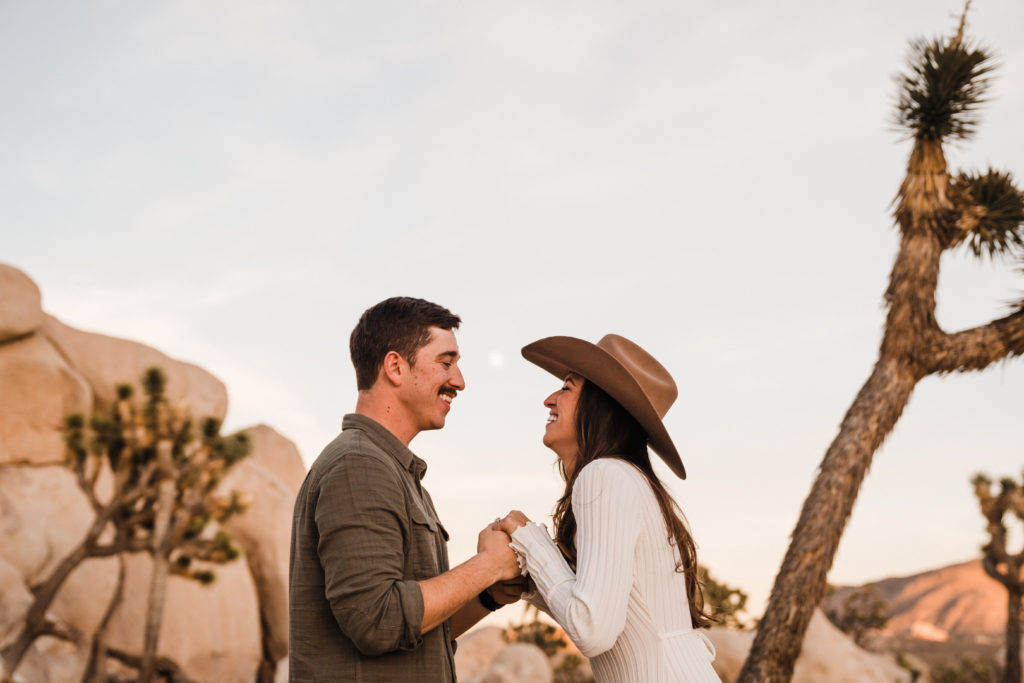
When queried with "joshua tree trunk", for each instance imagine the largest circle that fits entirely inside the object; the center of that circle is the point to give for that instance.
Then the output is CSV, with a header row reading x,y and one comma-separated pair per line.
x,y
158,583
95,668
800,584
1012,673
154,616
35,620
44,593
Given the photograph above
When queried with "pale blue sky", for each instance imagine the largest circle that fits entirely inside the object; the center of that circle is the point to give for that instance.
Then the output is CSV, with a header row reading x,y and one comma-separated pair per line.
x,y
234,182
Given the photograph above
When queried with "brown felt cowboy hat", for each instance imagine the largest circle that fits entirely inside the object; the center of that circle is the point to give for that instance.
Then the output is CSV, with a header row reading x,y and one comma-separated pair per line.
x,y
626,372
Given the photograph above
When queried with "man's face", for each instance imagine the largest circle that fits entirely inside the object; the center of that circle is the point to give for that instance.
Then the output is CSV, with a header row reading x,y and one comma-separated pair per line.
x,y
434,380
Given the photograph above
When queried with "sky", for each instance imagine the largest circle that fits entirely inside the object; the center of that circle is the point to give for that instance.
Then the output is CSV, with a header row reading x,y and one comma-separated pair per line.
x,y
235,182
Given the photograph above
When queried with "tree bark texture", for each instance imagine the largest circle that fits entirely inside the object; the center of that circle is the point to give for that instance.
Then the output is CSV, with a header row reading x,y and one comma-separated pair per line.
x,y
158,584
1012,670
167,668
800,584
95,668
44,593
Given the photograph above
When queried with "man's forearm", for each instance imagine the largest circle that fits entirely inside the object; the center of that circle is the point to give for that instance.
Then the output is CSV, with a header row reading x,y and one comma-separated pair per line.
x,y
467,616
448,593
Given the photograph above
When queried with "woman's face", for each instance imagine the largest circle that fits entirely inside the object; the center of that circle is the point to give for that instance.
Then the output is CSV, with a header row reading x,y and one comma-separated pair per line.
x,y
560,432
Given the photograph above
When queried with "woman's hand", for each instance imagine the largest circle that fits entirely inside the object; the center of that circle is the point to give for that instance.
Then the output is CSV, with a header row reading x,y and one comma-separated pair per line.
x,y
507,592
512,521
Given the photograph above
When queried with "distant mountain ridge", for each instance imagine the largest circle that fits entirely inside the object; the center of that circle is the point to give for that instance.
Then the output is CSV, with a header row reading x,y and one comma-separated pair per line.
x,y
958,602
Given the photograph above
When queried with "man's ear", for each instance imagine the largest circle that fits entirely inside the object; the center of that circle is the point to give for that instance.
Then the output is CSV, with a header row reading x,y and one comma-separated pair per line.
x,y
394,368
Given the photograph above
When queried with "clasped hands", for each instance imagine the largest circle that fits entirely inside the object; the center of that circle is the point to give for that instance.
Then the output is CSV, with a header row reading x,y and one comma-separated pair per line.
x,y
494,539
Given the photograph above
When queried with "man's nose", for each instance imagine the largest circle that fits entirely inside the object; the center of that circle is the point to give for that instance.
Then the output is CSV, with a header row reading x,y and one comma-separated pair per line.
x,y
457,380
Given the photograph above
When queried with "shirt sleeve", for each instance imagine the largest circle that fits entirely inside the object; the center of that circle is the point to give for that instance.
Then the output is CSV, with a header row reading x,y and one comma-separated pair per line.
x,y
591,603
359,519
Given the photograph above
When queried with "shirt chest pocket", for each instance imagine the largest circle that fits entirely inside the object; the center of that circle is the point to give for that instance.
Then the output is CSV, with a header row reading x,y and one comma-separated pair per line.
x,y
422,557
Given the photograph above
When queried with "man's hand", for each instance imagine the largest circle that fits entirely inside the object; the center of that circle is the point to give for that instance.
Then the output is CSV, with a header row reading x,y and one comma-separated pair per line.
x,y
493,544
453,593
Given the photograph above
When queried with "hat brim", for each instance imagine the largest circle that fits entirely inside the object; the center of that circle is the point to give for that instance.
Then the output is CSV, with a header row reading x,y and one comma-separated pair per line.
x,y
562,355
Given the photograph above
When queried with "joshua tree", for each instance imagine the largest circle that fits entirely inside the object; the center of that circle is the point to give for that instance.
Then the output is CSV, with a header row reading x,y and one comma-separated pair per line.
x,y
187,475
544,635
1001,564
728,604
935,211
863,610
162,502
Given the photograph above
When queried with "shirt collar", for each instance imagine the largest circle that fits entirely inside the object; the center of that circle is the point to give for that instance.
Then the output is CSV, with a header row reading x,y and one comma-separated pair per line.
x,y
387,442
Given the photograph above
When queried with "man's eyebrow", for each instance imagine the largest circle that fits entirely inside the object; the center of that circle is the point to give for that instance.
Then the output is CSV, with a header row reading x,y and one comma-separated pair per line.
x,y
449,354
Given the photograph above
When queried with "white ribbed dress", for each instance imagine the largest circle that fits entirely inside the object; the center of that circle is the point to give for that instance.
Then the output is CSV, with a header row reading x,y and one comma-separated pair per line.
x,y
626,606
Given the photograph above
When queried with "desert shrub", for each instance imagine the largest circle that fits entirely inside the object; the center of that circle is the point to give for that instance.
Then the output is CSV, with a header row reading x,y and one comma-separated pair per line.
x,y
863,610
968,670
728,604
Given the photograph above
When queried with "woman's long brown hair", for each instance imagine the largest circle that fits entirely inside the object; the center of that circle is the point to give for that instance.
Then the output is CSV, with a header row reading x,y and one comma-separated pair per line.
x,y
605,430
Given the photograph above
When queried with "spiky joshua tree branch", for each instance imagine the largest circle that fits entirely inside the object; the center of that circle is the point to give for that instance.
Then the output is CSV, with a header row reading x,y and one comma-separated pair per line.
x,y
163,502
935,211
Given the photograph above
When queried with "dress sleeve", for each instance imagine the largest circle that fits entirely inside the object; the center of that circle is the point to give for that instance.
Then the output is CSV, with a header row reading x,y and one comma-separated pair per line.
x,y
534,598
591,603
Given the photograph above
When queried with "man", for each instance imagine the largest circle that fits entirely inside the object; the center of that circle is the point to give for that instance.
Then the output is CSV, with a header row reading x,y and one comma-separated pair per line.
x,y
372,597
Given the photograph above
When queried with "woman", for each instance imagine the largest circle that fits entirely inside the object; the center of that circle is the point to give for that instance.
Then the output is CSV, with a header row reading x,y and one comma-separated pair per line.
x,y
621,575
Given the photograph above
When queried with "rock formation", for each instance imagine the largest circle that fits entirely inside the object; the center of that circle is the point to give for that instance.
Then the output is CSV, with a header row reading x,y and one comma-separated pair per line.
x,y
828,655
958,602
273,472
21,310
518,663
484,656
233,630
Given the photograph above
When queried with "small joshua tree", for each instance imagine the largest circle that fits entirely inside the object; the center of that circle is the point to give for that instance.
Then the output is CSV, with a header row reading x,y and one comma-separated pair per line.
x,y
728,604
862,611
163,502
188,473
536,632
1001,564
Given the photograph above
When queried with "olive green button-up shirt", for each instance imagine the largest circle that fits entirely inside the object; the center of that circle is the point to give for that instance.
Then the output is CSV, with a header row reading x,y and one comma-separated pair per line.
x,y
364,533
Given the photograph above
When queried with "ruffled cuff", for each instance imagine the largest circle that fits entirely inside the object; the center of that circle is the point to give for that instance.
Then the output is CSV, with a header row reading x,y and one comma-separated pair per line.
x,y
520,561
544,561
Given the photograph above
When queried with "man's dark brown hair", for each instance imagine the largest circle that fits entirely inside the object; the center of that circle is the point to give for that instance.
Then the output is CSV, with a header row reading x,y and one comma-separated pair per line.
x,y
401,324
